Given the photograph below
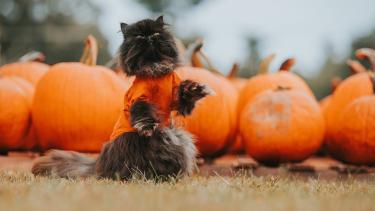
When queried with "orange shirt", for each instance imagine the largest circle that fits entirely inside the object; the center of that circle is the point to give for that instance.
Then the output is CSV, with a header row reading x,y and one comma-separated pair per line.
x,y
160,92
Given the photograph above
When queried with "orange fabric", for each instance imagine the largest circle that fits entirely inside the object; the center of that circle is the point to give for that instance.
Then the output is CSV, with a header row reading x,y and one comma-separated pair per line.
x,y
159,91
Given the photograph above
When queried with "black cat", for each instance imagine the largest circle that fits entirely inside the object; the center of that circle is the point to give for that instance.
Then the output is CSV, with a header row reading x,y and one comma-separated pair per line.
x,y
152,150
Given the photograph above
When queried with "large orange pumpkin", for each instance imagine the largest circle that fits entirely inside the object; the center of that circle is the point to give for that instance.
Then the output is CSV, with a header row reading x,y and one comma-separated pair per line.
x,y
77,104
265,80
27,68
30,68
15,111
240,83
213,121
351,88
282,125
193,57
224,102
356,131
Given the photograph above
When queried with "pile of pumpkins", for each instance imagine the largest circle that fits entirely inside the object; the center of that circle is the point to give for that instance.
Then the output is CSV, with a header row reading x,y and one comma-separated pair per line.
x,y
274,117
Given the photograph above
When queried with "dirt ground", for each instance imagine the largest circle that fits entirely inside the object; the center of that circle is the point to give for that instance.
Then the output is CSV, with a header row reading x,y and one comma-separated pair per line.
x,y
229,165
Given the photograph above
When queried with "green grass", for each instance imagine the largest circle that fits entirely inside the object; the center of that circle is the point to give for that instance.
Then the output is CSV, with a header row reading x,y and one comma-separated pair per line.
x,y
23,191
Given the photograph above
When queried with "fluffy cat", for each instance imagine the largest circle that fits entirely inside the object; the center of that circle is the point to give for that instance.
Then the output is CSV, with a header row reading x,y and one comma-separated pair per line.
x,y
144,140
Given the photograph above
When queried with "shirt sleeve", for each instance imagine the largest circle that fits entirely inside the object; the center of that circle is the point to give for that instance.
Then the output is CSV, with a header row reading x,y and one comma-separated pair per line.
x,y
138,91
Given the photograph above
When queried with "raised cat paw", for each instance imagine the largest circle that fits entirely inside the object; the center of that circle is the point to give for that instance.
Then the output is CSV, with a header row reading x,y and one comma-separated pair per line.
x,y
194,91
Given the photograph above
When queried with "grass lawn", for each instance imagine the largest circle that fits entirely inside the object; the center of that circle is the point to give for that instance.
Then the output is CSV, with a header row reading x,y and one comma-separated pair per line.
x,y
23,191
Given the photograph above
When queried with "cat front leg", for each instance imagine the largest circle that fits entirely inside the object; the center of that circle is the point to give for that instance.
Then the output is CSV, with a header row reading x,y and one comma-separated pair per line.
x,y
189,92
144,118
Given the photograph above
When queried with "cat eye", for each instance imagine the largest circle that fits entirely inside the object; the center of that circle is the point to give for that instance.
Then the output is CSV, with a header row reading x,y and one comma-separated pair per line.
x,y
139,37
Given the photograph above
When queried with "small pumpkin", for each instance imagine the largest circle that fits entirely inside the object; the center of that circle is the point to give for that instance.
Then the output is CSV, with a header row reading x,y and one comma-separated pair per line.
x,y
356,131
282,125
29,68
350,89
15,112
76,104
265,80
324,104
355,67
238,83
327,100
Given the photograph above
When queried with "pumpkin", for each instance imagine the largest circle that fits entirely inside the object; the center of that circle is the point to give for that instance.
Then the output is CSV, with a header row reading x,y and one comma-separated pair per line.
x,y
226,96
265,80
350,89
324,103
326,100
282,125
355,67
356,131
77,104
240,83
15,116
30,68
27,68
212,121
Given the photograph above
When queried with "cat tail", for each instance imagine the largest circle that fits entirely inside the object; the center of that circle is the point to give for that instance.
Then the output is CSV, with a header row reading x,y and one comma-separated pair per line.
x,y
66,164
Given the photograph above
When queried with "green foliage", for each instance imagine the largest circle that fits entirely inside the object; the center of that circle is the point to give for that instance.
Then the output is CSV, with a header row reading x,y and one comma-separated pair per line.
x,y
56,28
251,64
332,67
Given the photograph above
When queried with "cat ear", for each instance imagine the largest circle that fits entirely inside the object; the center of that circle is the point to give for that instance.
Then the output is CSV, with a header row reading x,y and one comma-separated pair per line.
x,y
123,27
160,19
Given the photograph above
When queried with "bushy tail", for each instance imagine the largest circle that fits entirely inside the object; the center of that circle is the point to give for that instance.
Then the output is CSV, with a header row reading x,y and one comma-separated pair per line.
x,y
65,164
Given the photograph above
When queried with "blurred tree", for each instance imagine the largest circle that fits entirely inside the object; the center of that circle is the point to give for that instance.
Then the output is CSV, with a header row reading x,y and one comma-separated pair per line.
x,y
333,67
169,7
56,28
366,41
252,59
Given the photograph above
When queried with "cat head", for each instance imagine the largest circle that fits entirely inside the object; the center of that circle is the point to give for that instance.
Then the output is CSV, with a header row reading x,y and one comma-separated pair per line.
x,y
148,49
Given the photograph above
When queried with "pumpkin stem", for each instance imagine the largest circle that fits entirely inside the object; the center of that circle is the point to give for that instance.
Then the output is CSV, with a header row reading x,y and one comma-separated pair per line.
x,y
287,64
265,63
33,56
355,67
335,82
367,53
194,54
90,52
234,70
191,52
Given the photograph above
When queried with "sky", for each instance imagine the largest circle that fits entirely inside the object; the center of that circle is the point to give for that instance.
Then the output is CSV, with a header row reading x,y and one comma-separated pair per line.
x,y
290,28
